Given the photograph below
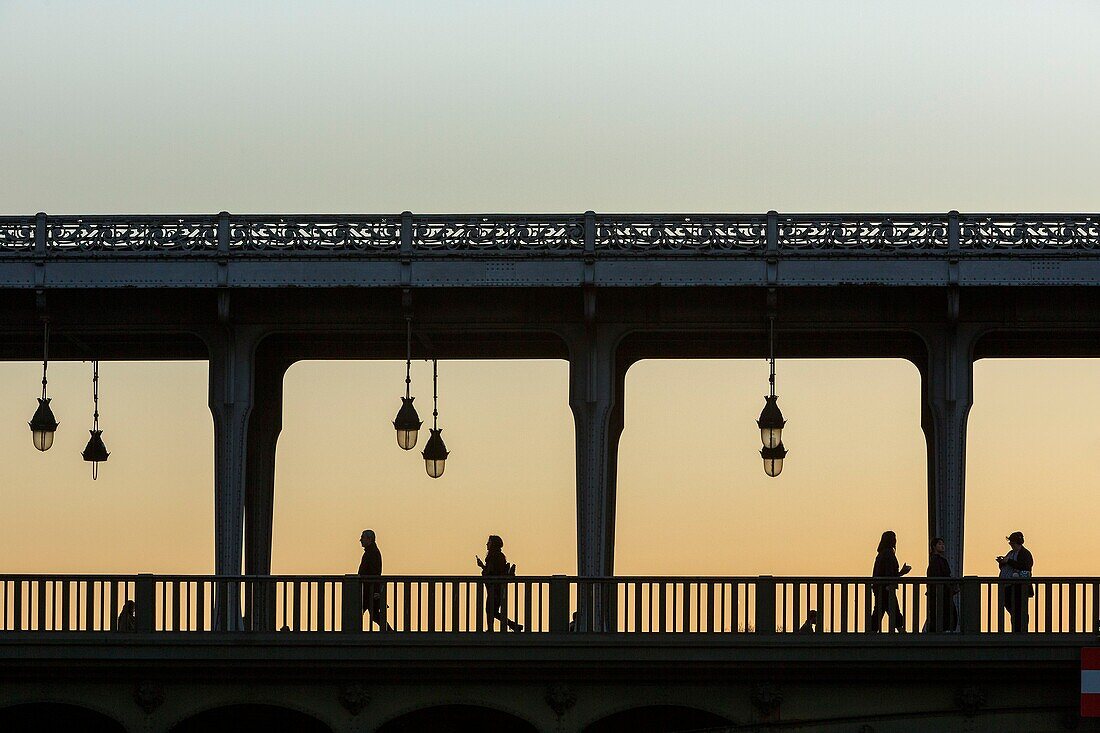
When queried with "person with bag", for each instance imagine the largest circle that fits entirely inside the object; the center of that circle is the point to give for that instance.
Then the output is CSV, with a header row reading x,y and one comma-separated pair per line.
x,y
496,565
1018,563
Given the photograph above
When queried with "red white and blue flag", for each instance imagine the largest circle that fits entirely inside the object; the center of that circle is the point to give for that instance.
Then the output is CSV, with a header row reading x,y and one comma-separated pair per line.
x,y
1090,683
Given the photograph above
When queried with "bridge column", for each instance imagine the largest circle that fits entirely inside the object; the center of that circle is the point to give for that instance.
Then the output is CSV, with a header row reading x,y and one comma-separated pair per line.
x,y
232,374
595,397
264,426
948,389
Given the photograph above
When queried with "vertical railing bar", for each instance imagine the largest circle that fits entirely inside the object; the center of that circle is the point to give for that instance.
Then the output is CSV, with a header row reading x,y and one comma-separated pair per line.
x,y
820,607
297,605
112,616
1049,606
17,607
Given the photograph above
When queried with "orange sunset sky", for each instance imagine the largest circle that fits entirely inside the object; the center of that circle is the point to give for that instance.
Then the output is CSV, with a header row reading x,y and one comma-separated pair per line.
x,y
565,106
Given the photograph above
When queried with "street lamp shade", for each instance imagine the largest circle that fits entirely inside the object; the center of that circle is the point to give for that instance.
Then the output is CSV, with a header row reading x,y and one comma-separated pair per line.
x,y
773,459
771,423
43,425
407,423
95,451
435,454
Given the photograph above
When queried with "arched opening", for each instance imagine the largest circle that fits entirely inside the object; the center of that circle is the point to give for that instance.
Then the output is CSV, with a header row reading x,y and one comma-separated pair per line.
x,y
339,469
250,718
152,497
658,719
692,496
1032,464
457,719
56,716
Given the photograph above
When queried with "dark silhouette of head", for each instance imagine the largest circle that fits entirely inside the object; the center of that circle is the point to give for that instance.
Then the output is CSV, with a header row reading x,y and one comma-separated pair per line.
x,y
932,545
1016,538
495,543
367,538
129,607
889,541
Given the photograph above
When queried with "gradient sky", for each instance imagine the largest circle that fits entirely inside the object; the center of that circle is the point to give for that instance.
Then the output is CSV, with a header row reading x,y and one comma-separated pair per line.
x,y
552,106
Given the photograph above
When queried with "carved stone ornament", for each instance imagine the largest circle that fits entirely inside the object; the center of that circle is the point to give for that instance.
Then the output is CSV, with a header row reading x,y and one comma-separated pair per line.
x,y
970,699
766,698
149,696
561,698
354,697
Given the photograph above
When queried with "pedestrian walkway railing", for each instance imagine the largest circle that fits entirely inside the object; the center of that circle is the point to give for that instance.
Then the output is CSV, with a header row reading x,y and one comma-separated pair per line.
x,y
761,605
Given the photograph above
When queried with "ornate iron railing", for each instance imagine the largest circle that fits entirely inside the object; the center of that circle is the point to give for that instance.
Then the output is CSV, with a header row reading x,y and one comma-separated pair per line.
x,y
546,604
589,235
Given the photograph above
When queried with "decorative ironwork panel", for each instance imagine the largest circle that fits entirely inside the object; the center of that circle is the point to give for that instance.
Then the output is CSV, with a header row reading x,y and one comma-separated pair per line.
x,y
315,233
16,234
690,234
1029,232
901,234
131,234
546,234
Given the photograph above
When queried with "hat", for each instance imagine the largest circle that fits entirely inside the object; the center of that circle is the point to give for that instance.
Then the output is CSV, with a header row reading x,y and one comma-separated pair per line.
x,y
1016,537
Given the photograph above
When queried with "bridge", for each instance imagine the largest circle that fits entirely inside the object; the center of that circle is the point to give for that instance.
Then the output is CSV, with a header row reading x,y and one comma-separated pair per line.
x,y
252,294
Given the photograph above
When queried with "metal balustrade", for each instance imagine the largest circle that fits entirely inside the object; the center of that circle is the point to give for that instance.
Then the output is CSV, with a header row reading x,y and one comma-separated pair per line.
x,y
546,604
588,235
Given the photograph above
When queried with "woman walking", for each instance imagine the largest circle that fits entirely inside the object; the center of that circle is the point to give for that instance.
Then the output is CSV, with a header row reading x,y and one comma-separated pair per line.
x,y
496,565
886,594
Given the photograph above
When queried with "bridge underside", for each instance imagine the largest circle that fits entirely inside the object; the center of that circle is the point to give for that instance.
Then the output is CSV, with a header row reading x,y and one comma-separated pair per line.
x,y
251,336
889,683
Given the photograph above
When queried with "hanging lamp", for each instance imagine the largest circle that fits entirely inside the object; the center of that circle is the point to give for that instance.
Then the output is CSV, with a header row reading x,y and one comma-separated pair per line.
x,y
407,423
95,452
435,452
43,424
771,420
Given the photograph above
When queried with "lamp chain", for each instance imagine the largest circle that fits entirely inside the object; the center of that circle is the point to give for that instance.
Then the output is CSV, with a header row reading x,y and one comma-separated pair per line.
x,y
771,353
45,353
95,394
408,354
435,394
95,410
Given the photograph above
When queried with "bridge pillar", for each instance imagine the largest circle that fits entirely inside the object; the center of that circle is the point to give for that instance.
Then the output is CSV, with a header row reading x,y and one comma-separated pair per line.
x,y
948,392
264,426
596,399
232,376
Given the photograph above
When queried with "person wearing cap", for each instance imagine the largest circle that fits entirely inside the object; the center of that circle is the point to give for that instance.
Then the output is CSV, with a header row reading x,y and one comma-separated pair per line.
x,y
371,566
1014,596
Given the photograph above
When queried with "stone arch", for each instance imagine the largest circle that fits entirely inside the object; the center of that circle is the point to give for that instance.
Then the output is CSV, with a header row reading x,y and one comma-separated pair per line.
x,y
56,716
250,718
455,718
659,719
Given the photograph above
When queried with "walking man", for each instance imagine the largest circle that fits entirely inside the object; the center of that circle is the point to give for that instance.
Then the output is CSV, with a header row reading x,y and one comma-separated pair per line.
x,y
374,600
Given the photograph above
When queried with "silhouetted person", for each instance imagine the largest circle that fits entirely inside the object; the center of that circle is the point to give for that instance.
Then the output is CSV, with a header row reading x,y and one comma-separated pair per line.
x,y
127,618
374,601
496,565
573,623
1014,596
810,627
886,594
942,614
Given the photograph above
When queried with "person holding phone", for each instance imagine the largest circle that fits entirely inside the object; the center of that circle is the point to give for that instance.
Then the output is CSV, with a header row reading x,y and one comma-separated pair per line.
x,y
886,594
496,565
1018,563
